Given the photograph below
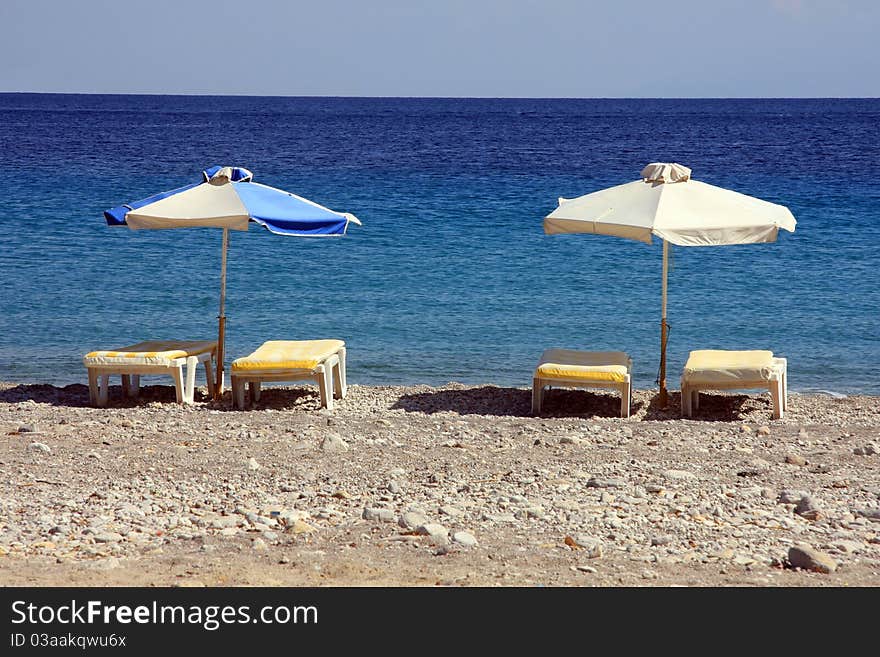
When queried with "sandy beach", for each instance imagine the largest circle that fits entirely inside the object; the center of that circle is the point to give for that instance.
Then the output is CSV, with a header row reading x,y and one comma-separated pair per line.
x,y
455,485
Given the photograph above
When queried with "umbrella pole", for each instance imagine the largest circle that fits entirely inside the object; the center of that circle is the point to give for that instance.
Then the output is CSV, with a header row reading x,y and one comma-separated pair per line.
x,y
221,328
664,327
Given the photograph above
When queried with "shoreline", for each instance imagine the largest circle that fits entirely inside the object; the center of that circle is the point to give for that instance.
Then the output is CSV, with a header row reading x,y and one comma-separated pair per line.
x,y
421,485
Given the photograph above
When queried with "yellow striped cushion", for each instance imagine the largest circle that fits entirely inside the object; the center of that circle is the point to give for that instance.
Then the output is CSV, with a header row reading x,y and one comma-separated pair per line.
x,y
288,355
599,366
709,366
150,352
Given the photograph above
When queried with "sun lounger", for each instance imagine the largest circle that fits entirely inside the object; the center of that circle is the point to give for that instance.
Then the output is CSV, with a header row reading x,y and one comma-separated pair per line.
x,y
583,369
292,360
151,357
711,369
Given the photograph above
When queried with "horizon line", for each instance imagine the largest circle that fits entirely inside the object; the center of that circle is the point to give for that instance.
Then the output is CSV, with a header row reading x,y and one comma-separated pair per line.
x,y
404,97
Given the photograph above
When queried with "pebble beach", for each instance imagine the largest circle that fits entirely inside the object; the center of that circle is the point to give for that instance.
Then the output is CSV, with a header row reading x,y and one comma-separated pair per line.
x,y
454,485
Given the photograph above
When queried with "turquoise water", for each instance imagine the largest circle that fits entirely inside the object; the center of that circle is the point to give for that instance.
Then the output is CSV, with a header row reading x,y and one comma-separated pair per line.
x,y
450,277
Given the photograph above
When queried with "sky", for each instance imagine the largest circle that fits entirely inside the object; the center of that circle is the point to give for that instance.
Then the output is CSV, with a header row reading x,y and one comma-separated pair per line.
x,y
469,48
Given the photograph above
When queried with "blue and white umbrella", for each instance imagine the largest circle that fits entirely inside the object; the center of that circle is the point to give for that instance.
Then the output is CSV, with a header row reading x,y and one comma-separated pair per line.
x,y
228,198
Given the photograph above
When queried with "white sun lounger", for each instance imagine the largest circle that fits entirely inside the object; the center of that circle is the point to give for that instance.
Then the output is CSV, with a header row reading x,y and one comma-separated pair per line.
x,y
712,369
566,368
151,357
292,360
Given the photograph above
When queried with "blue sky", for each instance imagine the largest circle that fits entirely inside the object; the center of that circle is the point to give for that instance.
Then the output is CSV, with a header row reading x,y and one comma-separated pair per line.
x,y
514,48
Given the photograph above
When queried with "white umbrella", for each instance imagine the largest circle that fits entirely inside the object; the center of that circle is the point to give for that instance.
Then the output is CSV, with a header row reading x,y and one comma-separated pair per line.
x,y
681,211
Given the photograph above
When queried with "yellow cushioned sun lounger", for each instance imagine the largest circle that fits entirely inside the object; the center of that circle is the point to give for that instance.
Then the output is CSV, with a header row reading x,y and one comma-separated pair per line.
x,y
715,369
290,360
150,357
583,369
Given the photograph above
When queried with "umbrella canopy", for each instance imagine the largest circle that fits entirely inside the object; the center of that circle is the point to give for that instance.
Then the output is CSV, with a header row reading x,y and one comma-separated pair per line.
x,y
667,203
228,198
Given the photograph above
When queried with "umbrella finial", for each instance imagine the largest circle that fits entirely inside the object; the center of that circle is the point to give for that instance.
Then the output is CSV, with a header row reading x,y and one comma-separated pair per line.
x,y
666,172
223,175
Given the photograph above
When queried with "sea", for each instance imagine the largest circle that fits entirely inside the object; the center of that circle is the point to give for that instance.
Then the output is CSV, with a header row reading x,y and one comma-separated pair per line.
x,y
450,277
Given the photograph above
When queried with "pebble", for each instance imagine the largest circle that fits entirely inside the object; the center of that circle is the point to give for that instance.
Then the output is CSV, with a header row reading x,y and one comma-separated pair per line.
x,y
795,459
436,532
40,447
755,468
300,527
679,475
605,482
592,546
465,539
334,444
107,537
867,450
847,547
789,496
382,515
412,520
764,431
252,464
808,508
587,569
805,557
288,517
27,428
870,514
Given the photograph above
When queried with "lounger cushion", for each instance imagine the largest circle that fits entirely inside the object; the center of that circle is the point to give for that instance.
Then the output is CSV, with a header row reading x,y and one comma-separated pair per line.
x,y
603,366
708,366
287,355
151,352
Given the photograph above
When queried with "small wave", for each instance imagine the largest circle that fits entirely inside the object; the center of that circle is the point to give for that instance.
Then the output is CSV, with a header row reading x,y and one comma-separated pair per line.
x,y
821,391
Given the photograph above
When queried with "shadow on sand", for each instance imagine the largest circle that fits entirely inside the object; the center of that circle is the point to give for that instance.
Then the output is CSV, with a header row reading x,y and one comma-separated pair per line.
x,y
485,400
77,395
713,408
515,402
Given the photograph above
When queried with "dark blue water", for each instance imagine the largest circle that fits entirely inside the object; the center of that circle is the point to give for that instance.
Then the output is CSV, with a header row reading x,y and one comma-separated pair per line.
x,y
451,276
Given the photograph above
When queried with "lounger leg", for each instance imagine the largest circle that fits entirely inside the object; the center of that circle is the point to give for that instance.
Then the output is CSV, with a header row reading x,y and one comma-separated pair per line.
x,y
177,375
209,375
776,393
685,400
238,393
537,395
624,399
254,387
189,390
126,386
104,390
135,389
93,387
324,376
695,400
340,385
